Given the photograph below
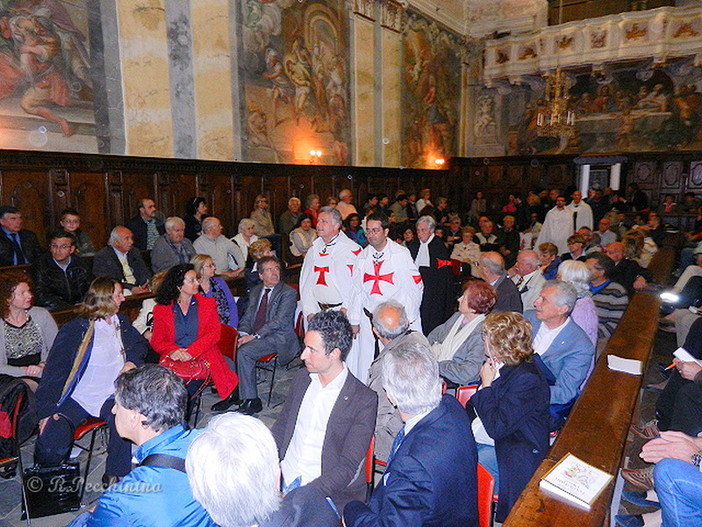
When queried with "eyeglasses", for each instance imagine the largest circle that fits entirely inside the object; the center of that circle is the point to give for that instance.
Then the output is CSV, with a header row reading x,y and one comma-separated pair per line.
x,y
262,201
375,231
190,281
62,247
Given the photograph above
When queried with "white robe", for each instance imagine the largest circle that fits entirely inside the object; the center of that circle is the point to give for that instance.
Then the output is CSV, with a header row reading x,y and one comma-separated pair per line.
x,y
584,211
393,276
558,226
326,276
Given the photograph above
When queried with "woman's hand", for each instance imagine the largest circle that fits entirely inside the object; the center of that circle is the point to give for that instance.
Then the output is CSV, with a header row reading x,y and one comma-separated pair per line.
x,y
487,373
127,366
35,371
180,354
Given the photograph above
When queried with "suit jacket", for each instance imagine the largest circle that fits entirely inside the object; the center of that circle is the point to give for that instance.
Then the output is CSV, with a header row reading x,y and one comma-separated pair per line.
x,y
163,340
508,297
515,413
431,481
106,263
349,431
139,230
28,241
438,299
303,507
531,289
569,358
278,332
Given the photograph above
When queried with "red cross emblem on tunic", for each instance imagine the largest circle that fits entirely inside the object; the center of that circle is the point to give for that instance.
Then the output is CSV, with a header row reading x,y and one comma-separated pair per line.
x,y
357,252
377,277
321,280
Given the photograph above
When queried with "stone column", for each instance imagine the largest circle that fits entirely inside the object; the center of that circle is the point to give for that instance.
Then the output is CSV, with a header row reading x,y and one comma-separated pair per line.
x,y
362,45
391,22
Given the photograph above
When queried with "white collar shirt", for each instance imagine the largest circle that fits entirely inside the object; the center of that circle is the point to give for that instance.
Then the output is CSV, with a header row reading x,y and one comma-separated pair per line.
x,y
545,337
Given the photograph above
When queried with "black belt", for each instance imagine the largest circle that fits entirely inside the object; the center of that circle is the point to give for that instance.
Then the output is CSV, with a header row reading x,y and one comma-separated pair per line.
x,y
325,307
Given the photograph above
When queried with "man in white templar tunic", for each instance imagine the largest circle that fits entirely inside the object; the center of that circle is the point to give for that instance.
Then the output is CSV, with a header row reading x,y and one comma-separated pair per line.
x,y
558,225
325,279
384,271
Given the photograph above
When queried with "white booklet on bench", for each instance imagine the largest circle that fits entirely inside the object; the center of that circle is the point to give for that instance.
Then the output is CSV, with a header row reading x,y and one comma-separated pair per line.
x,y
576,481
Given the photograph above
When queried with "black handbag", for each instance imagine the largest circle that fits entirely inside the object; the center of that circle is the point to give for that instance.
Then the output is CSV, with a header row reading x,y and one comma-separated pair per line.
x,y
52,490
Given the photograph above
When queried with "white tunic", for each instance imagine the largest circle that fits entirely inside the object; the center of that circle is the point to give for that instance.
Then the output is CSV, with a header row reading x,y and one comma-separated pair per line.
x,y
558,225
584,211
379,276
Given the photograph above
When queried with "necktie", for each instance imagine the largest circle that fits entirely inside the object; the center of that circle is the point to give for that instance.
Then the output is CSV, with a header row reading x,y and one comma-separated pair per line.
x,y
396,444
19,254
261,313
520,282
127,272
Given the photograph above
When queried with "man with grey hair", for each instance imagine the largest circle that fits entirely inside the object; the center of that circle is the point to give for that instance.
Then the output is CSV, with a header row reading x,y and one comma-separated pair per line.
x,y
172,247
528,277
220,463
433,260
325,279
149,410
214,244
391,328
431,472
564,348
492,270
288,219
345,207
122,261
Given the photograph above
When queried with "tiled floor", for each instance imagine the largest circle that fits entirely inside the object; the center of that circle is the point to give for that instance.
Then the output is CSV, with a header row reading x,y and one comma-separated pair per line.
x,y
10,489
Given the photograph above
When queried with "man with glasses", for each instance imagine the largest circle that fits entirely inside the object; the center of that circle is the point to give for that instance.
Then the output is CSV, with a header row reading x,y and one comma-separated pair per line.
x,y
60,278
18,246
146,226
70,222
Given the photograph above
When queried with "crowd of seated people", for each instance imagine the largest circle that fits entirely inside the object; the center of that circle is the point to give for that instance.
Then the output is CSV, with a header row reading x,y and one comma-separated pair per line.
x,y
383,270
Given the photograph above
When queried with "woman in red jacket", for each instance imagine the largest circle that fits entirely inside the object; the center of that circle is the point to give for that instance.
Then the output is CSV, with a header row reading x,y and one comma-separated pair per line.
x,y
186,330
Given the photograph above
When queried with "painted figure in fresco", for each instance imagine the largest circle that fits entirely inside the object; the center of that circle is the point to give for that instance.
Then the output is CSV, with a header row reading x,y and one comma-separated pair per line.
x,y
656,101
298,68
281,89
41,62
680,129
10,73
604,101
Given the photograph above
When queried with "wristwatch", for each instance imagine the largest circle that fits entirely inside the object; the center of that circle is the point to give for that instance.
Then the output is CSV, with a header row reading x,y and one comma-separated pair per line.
x,y
696,459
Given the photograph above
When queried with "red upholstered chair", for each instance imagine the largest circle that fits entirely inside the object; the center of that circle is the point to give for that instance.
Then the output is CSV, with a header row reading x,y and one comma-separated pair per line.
x,y
370,467
486,496
91,426
268,363
15,460
464,393
227,341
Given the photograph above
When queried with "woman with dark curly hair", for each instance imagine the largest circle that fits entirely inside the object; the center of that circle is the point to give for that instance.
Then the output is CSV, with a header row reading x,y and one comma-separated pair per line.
x,y
458,343
512,405
353,229
186,332
88,354
26,332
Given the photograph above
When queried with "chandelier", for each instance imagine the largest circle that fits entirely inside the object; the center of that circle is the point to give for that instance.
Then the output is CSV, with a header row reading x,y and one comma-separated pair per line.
x,y
556,119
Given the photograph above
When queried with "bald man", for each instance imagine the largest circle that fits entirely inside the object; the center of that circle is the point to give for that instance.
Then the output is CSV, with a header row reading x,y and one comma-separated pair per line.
x,y
391,328
528,277
122,261
492,270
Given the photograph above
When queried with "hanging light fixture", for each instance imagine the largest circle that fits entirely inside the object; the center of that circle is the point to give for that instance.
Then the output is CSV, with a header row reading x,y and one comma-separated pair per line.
x,y
557,120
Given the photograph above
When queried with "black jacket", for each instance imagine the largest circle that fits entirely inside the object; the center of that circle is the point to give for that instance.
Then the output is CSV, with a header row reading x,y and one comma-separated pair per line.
x,y
55,288
106,263
138,228
30,247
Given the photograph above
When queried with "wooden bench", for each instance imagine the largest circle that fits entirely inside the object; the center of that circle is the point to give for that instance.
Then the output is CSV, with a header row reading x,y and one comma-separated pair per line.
x,y
597,428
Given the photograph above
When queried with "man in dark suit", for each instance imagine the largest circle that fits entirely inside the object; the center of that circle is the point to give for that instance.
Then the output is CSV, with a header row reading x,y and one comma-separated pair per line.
x,y
268,326
328,419
145,226
492,270
431,473
17,245
626,272
122,261
434,262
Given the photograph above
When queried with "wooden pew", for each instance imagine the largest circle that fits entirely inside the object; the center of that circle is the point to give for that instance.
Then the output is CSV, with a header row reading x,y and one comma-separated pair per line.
x,y
597,428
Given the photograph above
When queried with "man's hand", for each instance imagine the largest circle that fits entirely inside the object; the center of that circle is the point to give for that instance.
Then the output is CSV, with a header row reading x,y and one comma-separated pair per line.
x,y
42,422
674,445
139,289
233,274
640,283
244,339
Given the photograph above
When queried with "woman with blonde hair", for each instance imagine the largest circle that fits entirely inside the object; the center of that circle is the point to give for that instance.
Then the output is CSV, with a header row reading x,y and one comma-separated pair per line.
x,y
512,407
212,286
88,354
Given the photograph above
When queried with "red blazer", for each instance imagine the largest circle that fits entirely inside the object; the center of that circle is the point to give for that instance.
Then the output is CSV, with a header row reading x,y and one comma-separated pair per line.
x,y
163,340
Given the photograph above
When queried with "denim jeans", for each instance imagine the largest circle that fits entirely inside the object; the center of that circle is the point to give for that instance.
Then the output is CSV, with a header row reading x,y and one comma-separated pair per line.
x,y
679,489
487,457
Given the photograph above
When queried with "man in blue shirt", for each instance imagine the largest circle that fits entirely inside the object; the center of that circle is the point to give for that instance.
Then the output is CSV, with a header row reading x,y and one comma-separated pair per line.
x,y
149,410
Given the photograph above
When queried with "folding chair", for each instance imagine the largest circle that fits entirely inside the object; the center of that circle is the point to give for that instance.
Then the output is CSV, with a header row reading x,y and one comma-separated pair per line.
x,y
92,426
464,393
370,468
486,496
16,459
268,363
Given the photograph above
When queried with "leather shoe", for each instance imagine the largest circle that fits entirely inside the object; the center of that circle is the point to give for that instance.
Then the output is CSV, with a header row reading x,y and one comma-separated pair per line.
x,y
641,478
225,404
108,481
250,406
647,431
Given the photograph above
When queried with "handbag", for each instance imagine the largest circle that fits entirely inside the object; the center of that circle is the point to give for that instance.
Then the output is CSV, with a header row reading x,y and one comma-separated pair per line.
x,y
51,490
196,368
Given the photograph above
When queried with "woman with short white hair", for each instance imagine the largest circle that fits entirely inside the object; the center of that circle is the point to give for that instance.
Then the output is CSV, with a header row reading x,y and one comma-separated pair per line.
x,y
584,313
245,238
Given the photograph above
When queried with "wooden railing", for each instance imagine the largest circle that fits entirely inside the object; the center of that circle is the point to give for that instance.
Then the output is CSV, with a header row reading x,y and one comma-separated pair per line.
x,y
597,428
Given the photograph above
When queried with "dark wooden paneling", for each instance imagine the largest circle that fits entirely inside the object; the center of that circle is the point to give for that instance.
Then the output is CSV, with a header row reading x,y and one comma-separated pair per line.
x,y
29,193
88,197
